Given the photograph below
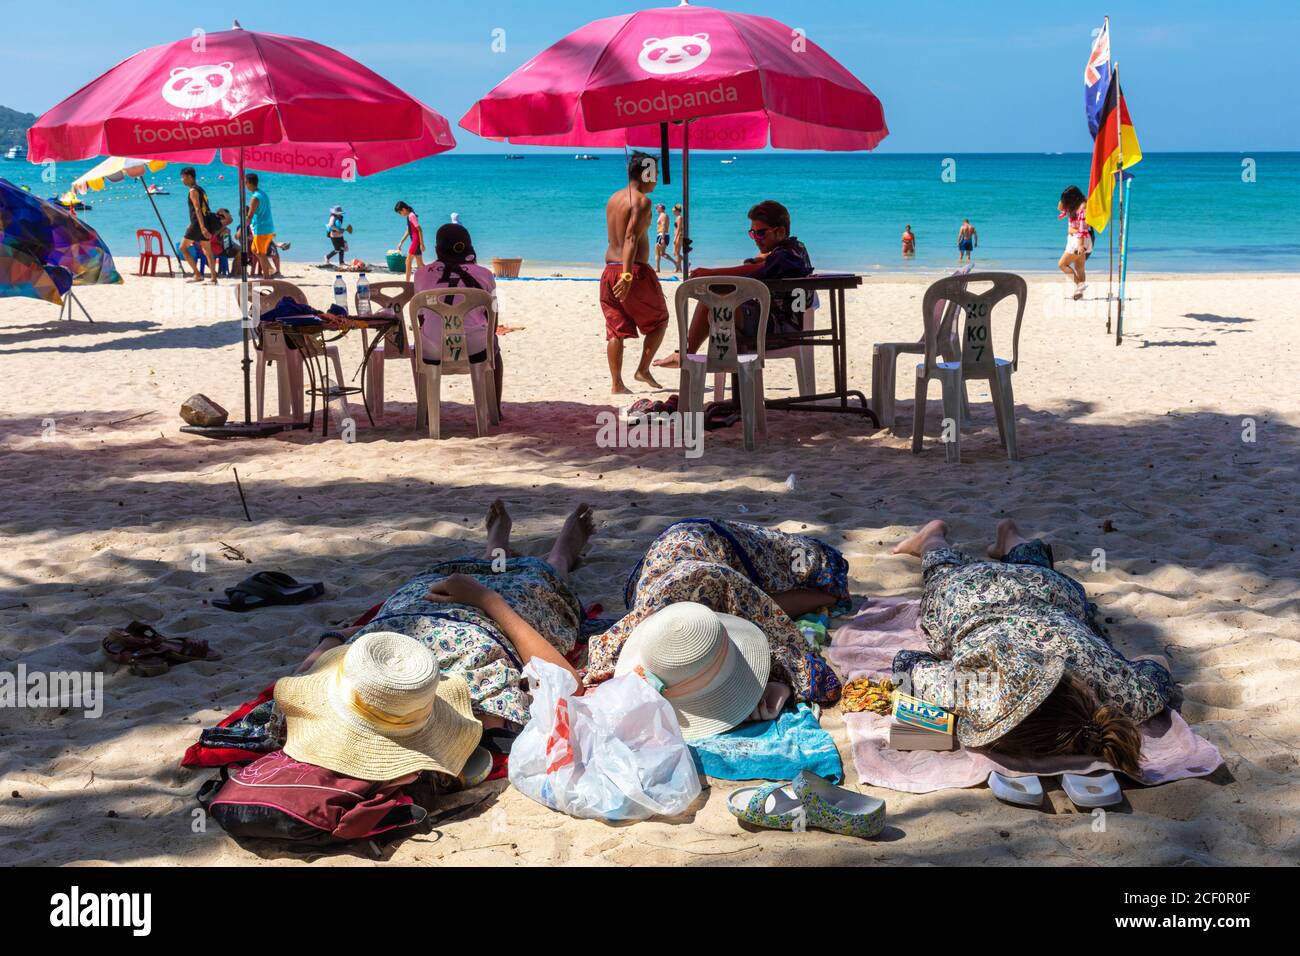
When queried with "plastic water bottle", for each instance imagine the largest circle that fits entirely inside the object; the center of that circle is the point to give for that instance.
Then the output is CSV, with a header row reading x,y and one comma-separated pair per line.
x,y
363,295
340,293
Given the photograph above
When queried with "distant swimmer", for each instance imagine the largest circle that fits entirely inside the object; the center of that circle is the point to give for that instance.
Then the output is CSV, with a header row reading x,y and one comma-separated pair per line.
x,y
909,241
967,240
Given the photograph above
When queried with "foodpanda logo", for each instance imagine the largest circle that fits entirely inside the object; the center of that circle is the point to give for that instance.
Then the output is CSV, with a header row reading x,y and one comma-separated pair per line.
x,y
197,87
664,56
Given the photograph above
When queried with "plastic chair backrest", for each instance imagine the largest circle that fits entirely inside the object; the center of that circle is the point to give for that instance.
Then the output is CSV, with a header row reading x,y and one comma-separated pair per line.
x,y
723,296
976,319
271,291
145,238
450,317
391,294
941,318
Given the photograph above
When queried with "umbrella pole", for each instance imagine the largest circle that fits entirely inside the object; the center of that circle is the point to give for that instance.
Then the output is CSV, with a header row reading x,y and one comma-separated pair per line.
x,y
180,260
686,200
243,292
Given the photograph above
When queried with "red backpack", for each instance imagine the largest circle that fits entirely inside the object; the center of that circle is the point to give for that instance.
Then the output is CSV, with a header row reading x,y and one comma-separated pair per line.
x,y
277,797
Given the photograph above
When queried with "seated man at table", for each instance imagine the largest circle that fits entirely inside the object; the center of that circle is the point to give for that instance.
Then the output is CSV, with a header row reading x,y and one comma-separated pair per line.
x,y
457,265
780,256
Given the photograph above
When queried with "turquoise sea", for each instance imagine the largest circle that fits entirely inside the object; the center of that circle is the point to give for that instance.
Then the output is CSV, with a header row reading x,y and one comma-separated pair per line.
x,y
1188,212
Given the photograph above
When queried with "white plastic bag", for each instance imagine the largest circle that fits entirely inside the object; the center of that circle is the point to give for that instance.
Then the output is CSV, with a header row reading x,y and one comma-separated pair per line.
x,y
616,753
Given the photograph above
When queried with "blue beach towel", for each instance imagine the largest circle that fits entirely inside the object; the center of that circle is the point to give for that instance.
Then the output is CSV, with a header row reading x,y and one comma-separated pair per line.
x,y
771,750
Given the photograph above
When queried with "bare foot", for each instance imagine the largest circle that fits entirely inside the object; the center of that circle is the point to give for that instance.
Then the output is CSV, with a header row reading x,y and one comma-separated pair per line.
x,y
933,535
645,376
669,361
1007,538
498,528
572,540
620,389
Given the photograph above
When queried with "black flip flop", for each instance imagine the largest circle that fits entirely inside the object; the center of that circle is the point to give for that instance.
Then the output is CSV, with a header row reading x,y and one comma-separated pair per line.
x,y
267,589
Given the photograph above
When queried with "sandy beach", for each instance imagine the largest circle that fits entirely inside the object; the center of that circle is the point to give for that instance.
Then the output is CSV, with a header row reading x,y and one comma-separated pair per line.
x,y
1176,453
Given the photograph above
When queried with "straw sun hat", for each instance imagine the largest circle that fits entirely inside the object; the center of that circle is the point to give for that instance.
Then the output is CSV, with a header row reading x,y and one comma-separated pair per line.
x,y
377,709
713,668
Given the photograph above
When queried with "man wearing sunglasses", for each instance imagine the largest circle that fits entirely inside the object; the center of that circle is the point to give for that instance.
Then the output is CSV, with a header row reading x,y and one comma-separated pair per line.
x,y
780,256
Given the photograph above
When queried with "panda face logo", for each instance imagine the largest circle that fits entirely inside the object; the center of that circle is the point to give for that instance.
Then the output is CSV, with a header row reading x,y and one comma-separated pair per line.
x,y
664,56
197,87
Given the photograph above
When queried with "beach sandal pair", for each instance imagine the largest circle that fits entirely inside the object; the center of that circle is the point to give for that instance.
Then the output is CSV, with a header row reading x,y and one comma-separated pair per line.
x,y
808,802
149,654
267,589
1084,792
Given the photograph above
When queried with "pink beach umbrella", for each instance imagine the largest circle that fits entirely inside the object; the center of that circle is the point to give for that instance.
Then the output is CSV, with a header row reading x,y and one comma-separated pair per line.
x,y
276,103
683,76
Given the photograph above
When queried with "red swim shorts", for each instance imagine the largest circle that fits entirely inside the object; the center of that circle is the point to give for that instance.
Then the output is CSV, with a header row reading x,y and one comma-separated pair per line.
x,y
643,310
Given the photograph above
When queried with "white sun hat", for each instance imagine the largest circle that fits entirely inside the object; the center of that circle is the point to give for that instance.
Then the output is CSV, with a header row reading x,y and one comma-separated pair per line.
x,y
377,709
712,668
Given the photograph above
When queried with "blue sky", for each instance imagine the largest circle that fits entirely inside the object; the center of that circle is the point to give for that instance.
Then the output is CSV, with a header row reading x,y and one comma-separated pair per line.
x,y
954,77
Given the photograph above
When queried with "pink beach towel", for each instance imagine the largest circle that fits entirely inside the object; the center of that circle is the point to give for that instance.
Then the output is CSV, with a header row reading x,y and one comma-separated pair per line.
x,y
865,647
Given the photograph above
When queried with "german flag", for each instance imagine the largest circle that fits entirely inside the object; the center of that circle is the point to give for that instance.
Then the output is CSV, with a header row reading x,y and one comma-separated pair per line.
x,y
1113,140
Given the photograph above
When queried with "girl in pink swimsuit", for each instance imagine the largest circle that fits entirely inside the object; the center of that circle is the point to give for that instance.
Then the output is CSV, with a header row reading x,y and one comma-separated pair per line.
x,y
1078,240
415,252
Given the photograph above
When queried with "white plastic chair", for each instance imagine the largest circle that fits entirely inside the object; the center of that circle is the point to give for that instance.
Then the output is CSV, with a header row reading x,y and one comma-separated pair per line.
x,y
804,356
977,360
449,329
272,348
884,360
389,294
723,296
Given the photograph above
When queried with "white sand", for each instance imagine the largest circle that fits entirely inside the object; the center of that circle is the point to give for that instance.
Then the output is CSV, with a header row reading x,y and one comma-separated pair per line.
x,y
102,520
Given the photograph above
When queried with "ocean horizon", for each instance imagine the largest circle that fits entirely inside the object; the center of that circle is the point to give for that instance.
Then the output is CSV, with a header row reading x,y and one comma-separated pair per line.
x,y
1189,212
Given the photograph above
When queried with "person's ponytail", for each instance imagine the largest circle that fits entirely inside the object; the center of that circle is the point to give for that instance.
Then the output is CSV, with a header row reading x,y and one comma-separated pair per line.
x,y
1073,721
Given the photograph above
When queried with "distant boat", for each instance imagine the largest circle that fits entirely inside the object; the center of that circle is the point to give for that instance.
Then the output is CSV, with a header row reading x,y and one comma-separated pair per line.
x,y
728,162
16,152
68,202
155,190
585,156
514,156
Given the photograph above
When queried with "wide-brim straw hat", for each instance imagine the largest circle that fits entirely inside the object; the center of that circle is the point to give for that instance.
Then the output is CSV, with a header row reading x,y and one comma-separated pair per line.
x,y
378,709
712,668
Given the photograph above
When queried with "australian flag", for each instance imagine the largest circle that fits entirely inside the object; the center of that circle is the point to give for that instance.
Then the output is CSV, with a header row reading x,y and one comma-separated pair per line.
x,y
1096,77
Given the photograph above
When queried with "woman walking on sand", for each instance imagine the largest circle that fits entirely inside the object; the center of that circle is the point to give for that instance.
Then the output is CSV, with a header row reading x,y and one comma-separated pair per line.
x,y
1078,238
415,233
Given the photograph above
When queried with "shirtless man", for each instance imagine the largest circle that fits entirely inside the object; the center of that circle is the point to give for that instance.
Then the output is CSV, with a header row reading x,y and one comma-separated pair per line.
x,y
630,295
661,238
967,240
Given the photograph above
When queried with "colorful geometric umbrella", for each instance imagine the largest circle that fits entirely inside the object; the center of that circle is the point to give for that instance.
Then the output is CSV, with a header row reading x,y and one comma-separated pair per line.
x,y
45,251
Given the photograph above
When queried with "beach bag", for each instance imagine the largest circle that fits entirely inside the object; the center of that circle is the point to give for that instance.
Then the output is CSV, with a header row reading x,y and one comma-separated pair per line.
x,y
615,753
276,797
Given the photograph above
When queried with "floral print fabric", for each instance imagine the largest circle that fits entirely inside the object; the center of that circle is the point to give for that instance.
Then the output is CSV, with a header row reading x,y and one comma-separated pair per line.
x,y
1020,609
733,567
469,643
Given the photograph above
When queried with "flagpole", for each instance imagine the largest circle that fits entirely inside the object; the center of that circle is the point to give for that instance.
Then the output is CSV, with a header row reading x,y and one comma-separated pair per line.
x,y
1119,182
1123,260
1110,236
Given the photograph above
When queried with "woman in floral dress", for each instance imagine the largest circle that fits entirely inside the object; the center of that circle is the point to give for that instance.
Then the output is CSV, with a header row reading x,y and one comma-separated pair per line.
x,y
1016,654
765,576
486,618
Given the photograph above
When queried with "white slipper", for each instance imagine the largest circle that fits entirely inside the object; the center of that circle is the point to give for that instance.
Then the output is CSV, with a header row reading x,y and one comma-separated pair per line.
x,y
1084,791
1023,791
